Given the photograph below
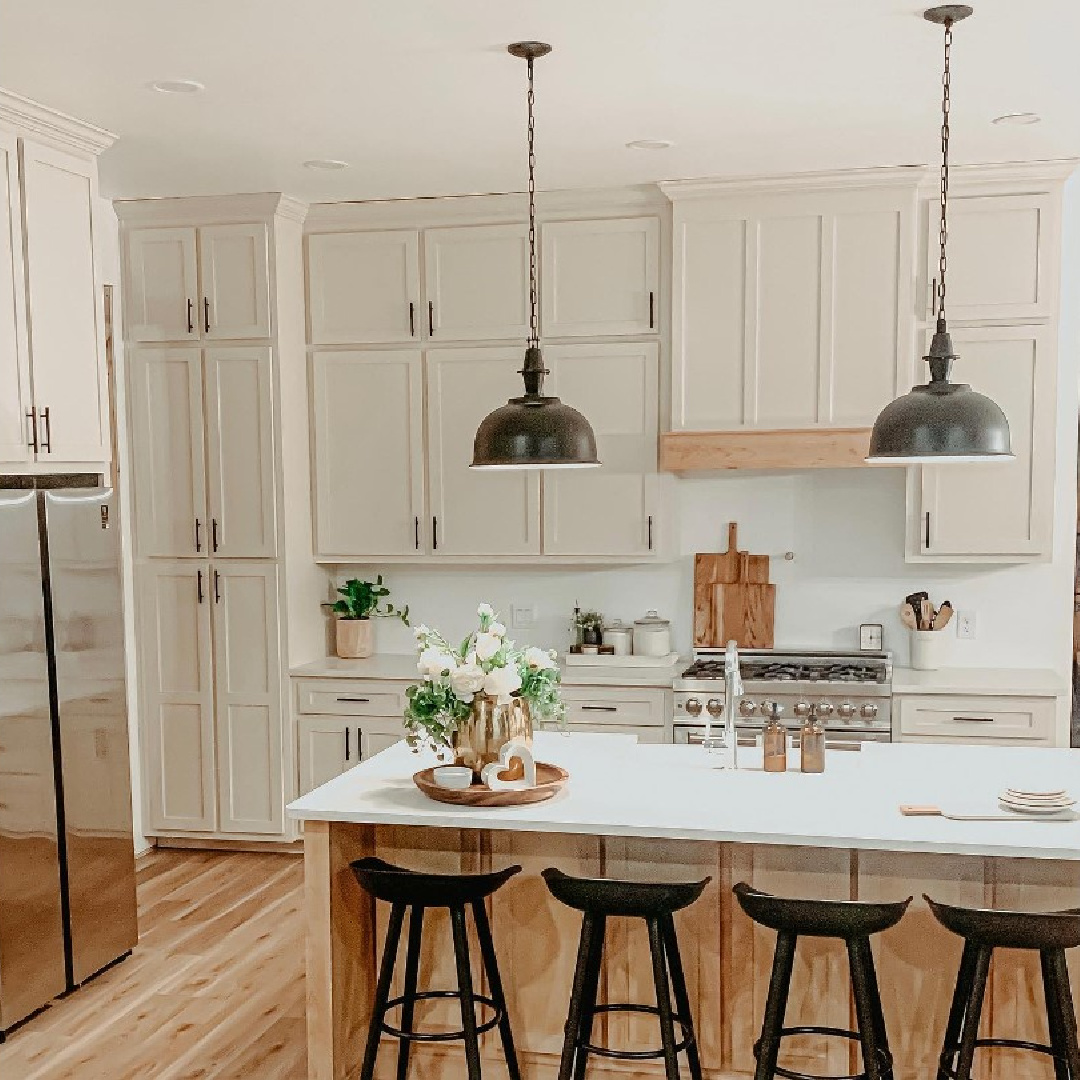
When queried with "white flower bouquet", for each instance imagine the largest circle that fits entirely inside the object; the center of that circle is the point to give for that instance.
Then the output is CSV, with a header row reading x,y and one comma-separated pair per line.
x,y
485,663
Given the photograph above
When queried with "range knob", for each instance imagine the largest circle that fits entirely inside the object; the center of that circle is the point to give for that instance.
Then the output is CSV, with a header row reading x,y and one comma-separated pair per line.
x,y
802,709
869,709
823,708
772,709
715,707
846,710
692,706
747,708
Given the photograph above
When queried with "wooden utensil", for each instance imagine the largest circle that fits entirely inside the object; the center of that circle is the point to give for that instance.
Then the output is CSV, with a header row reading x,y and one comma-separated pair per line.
x,y
944,614
550,780
926,615
936,811
907,617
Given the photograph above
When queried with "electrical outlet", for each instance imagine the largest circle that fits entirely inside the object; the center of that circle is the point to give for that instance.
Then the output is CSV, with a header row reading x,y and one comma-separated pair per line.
x,y
965,625
522,616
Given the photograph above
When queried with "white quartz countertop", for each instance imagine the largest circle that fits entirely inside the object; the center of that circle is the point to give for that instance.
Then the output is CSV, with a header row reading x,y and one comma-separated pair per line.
x,y
401,666
997,681
621,788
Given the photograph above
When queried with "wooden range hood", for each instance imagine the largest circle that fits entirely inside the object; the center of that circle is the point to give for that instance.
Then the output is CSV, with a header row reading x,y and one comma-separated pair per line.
x,y
800,448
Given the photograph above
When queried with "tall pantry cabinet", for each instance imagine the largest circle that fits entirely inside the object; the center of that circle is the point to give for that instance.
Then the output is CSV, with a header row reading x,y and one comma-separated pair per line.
x,y
217,398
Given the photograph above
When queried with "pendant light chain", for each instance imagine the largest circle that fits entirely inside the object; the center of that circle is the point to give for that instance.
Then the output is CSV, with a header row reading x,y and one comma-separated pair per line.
x,y
534,331
943,233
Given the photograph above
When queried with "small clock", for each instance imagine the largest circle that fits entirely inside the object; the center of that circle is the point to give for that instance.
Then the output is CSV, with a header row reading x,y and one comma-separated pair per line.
x,y
870,637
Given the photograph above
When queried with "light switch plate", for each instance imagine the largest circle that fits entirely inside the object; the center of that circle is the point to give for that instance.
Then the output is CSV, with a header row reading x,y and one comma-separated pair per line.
x,y
871,636
965,625
522,616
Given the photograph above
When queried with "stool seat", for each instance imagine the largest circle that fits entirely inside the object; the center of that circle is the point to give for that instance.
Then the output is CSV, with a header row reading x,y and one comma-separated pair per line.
x,y
396,885
1010,929
610,896
819,918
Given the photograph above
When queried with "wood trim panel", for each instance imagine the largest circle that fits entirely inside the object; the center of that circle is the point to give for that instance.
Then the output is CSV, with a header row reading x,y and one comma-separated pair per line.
x,y
825,448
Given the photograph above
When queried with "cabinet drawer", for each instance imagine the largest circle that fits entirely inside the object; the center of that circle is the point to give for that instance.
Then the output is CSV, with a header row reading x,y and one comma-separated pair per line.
x,y
1005,718
598,706
354,697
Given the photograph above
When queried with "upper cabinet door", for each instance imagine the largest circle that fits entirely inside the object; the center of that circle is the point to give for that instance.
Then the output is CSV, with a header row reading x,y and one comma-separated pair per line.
x,y
477,280
1001,512
163,289
235,282
165,405
611,510
364,287
998,257
16,436
601,278
247,680
475,511
240,448
368,413
64,307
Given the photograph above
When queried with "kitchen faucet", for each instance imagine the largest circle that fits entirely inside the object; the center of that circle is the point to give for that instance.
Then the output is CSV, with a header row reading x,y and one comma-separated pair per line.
x,y
733,691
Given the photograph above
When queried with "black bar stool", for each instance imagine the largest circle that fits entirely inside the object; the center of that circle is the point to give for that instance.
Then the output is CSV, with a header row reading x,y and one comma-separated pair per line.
x,y
597,899
406,889
852,922
1048,933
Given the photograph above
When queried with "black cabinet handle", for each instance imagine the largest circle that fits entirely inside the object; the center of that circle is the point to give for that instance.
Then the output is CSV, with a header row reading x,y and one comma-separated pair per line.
x,y
206,314
650,532
214,533
412,319
190,315
198,535
46,438
31,415
430,318
355,700
652,310
217,587
348,748
201,593
599,708
973,719
416,531
927,529
434,533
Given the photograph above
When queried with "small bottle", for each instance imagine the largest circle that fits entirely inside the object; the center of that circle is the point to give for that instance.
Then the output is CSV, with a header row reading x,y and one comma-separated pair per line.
x,y
812,742
774,739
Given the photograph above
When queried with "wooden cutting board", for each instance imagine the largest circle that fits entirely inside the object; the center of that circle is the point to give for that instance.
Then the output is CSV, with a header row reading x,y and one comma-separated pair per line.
x,y
729,568
743,613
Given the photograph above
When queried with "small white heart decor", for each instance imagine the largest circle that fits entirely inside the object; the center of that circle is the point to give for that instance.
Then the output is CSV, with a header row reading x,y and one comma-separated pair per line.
x,y
512,750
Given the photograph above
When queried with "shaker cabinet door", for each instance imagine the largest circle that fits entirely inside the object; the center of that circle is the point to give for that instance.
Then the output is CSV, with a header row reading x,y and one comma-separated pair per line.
x,y
235,300
165,405
475,511
611,510
328,746
16,436
368,413
364,287
163,289
177,701
240,452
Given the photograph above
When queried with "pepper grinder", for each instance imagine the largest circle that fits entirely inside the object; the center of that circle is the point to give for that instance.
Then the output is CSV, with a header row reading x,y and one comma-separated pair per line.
x,y
812,744
774,738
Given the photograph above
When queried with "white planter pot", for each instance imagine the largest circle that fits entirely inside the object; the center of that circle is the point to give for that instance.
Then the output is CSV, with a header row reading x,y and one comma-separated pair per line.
x,y
354,639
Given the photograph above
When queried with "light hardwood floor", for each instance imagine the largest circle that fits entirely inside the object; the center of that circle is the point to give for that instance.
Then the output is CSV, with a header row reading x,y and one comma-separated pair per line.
x,y
215,990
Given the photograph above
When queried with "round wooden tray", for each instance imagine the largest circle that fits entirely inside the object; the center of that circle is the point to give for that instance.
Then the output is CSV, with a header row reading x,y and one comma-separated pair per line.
x,y
550,780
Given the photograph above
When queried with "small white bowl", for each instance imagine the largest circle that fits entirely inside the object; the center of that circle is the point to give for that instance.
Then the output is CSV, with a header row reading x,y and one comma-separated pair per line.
x,y
454,777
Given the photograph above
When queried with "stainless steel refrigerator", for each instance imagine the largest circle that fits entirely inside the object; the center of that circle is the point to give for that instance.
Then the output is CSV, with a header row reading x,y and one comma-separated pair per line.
x,y
67,868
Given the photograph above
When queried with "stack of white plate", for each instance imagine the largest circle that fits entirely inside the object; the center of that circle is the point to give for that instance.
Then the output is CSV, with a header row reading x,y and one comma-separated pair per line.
x,y
1037,803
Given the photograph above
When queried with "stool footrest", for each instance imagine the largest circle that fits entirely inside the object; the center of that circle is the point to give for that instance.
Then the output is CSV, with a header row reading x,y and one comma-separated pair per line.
x,y
831,1032
949,1056
640,1055
438,1036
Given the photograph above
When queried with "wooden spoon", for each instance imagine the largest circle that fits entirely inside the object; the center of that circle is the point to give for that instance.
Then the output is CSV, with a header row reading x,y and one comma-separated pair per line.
x,y
944,614
926,615
907,616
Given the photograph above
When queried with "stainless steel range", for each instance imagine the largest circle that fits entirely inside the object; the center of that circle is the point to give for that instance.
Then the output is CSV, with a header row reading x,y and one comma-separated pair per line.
x,y
850,692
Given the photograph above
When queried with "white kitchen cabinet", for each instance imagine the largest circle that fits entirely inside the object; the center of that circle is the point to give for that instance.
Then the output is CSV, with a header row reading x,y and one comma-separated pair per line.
x,y
791,309
600,707
477,282
235,281
377,736
364,287
995,511
368,452
1000,251
987,719
247,681
163,285
327,748
475,511
63,305
239,404
612,510
177,695
16,397
165,402
600,277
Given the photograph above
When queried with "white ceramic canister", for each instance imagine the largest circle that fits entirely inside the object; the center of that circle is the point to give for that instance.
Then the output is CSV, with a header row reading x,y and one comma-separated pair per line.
x,y
652,635
927,649
620,636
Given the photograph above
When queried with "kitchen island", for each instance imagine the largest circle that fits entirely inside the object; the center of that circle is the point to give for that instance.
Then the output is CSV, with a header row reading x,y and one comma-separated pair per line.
x,y
670,812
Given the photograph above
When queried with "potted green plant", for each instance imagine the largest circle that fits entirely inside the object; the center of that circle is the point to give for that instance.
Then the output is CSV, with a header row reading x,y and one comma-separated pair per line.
x,y
362,601
590,627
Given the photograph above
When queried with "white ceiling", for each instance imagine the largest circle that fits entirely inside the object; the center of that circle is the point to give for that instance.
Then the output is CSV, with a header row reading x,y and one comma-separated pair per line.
x,y
422,99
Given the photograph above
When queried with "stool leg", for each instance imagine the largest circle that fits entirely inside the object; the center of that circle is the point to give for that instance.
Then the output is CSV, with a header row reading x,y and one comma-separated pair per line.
x,y
875,1050
587,1018
491,966
972,1013
468,1002
663,999
768,1047
682,999
1062,1014
382,990
964,978
412,969
577,996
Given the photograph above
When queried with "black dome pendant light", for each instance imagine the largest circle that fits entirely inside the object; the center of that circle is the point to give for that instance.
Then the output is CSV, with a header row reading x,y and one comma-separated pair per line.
x,y
534,431
941,421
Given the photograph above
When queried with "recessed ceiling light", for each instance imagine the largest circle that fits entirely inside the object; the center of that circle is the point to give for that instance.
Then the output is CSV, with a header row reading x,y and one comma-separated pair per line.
x,y
177,86
1020,119
649,144
326,164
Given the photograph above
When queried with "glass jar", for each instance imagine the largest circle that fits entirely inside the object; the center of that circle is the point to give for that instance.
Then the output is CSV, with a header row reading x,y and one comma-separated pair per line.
x,y
652,635
812,745
620,636
774,741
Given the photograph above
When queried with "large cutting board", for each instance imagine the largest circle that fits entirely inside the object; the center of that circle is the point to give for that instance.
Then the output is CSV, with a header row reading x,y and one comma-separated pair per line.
x,y
733,599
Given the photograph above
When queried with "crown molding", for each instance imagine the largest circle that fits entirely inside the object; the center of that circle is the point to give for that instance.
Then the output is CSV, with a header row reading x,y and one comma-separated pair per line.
x,y
52,126
831,180
209,209
1053,170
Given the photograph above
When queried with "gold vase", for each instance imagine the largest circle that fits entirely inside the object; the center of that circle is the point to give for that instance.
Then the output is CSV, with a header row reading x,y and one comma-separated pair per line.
x,y
490,725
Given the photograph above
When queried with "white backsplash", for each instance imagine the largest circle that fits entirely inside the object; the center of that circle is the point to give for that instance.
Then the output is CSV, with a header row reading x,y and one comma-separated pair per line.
x,y
846,530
